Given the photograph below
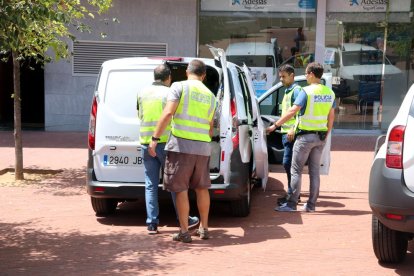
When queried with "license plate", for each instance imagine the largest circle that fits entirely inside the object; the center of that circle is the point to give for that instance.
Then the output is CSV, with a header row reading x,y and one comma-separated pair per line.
x,y
122,160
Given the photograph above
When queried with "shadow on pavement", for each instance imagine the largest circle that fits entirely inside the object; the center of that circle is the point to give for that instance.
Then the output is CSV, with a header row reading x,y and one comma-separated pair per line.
x,y
69,182
262,224
40,252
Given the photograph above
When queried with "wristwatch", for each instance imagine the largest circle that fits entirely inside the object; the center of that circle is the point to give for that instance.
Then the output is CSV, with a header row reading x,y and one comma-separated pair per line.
x,y
155,139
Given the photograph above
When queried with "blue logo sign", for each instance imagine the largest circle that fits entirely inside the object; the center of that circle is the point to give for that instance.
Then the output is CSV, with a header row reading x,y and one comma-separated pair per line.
x,y
234,2
307,4
353,2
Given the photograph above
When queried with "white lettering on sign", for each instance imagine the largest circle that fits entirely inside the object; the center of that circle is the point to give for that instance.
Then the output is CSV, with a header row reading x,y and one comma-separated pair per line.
x,y
201,98
322,98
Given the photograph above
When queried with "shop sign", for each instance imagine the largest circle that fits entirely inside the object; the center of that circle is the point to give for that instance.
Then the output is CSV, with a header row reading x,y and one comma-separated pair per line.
x,y
259,5
368,5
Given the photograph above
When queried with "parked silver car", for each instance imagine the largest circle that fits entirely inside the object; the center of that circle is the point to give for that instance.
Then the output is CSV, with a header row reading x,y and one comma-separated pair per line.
x,y
391,187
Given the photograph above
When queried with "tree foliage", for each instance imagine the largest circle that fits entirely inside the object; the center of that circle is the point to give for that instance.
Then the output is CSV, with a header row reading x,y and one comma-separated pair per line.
x,y
31,27
28,28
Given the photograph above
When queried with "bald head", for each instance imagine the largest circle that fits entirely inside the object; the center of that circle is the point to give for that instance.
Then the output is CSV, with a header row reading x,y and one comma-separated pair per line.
x,y
162,73
196,67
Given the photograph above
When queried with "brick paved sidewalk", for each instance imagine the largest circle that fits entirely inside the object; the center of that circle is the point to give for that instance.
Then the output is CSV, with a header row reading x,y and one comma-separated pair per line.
x,y
49,228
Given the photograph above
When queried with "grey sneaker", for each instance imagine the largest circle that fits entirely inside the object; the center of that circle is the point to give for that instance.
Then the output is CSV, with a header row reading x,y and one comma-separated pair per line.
x,y
182,237
193,222
305,208
285,208
203,233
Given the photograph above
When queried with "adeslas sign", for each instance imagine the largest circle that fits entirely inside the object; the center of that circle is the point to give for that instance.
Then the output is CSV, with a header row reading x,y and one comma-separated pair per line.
x,y
249,2
259,5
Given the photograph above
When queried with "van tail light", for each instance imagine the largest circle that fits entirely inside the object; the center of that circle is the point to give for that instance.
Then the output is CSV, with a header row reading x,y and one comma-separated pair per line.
x,y
394,156
92,124
235,126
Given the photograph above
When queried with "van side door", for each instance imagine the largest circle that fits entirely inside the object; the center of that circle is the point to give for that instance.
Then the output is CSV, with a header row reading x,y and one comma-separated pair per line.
x,y
258,138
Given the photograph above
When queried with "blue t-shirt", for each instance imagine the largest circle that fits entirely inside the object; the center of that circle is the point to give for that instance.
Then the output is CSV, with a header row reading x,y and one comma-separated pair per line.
x,y
296,91
301,100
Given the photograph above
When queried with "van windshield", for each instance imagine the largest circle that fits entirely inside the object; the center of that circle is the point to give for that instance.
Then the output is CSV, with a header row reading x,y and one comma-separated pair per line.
x,y
253,61
363,58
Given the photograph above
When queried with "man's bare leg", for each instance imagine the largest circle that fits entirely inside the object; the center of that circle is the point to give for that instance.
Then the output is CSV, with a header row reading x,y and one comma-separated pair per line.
x,y
183,209
203,204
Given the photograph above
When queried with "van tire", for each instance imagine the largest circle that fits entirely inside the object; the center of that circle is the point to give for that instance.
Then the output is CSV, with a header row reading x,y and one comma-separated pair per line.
x,y
390,246
103,206
241,207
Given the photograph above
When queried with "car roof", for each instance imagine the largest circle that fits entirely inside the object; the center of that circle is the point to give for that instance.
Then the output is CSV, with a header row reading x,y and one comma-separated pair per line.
x,y
357,47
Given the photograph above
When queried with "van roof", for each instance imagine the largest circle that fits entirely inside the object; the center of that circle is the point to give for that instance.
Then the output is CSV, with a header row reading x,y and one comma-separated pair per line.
x,y
250,48
133,62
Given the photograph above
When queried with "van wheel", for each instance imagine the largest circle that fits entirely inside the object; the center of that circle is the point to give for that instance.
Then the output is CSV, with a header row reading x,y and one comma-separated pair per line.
x,y
241,207
390,246
103,206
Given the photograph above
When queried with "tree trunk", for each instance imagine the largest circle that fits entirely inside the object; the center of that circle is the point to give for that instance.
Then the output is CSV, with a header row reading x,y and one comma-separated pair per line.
x,y
18,149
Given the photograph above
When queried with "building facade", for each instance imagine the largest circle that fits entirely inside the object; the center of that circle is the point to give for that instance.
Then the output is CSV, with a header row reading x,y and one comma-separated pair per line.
x,y
349,37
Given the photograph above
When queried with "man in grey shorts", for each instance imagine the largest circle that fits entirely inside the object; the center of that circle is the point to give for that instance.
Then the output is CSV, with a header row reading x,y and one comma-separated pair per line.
x,y
190,105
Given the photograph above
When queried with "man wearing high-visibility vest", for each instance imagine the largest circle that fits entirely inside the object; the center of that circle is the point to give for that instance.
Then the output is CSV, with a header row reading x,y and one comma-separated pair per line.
x,y
292,90
190,106
150,103
316,105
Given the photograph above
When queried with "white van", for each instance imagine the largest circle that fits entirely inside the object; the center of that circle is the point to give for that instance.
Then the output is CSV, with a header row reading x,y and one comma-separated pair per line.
x,y
115,171
354,63
260,58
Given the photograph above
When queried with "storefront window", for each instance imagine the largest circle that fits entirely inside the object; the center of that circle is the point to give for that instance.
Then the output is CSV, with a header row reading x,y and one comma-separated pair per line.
x,y
369,85
263,34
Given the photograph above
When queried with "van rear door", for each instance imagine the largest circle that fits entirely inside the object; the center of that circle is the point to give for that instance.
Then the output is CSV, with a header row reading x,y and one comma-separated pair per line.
x,y
259,135
225,120
117,155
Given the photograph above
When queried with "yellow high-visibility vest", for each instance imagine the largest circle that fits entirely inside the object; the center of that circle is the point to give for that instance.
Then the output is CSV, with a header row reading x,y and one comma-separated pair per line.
x,y
151,102
319,103
194,112
286,104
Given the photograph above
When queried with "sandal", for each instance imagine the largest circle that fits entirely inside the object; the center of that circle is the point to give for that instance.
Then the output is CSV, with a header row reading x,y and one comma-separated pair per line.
x,y
182,237
203,233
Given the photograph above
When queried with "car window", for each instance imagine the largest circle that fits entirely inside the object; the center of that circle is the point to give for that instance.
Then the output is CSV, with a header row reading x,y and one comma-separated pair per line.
x,y
353,58
269,105
272,104
411,112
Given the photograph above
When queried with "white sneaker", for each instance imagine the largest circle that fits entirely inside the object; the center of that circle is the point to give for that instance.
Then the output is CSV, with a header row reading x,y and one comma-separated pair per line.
x,y
305,208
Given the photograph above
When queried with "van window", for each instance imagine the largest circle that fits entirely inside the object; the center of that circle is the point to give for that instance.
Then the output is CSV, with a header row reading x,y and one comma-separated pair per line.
x,y
122,89
246,95
253,61
212,80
